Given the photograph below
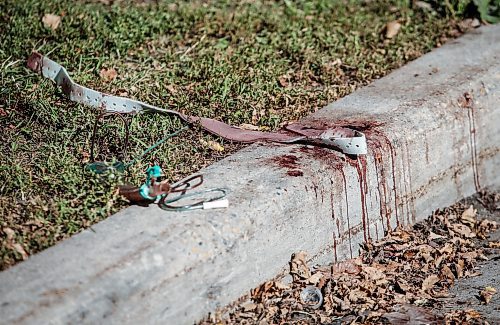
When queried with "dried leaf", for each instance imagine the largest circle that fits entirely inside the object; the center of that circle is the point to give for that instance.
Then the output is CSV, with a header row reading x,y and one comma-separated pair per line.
x,y
85,156
494,244
403,285
350,266
51,21
356,295
373,273
423,5
9,232
249,306
19,248
459,268
123,93
393,267
215,146
447,249
441,294
401,235
171,89
469,256
281,286
486,226
429,282
487,294
315,278
409,314
463,230
392,28
298,266
447,273
108,75
283,81
462,316
426,252
469,23
433,236
469,216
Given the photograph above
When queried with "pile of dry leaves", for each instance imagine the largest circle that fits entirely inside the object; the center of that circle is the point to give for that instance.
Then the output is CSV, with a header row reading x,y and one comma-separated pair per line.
x,y
397,280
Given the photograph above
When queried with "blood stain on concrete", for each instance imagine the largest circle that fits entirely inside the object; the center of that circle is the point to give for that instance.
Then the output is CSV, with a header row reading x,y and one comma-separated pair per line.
x,y
289,162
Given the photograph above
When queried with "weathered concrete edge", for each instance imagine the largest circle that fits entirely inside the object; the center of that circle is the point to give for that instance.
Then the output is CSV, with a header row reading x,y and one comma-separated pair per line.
x,y
146,265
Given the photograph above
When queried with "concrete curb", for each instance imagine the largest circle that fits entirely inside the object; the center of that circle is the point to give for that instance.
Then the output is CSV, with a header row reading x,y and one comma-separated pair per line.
x,y
433,128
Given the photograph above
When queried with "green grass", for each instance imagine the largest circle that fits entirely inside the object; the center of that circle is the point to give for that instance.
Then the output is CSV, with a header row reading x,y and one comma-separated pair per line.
x,y
259,62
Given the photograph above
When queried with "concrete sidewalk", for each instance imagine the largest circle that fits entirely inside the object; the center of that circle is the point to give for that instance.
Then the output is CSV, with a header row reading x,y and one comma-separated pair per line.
x,y
433,128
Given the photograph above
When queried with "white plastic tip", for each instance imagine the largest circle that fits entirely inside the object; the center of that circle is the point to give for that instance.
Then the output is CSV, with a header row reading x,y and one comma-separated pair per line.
x,y
224,203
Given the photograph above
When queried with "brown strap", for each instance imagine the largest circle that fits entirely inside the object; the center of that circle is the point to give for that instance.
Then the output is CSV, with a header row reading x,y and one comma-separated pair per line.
x,y
344,139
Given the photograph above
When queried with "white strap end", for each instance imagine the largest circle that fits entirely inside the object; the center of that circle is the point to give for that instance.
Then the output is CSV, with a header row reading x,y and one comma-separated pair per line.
x,y
224,203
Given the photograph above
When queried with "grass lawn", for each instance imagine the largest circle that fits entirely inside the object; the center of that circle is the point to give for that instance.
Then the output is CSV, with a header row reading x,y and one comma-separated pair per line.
x,y
257,62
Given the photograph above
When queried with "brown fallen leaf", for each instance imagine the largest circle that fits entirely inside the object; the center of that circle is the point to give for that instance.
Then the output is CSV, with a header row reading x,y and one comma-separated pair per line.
x,y
401,235
429,282
487,294
462,317
469,216
215,146
281,286
433,236
108,75
171,89
463,230
20,249
350,266
408,314
122,92
85,156
423,5
469,256
261,292
494,244
486,226
315,278
357,294
298,266
9,232
373,273
447,249
392,28
51,21
469,23
403,285
441,294
249,306
283,81
447,273
459,268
